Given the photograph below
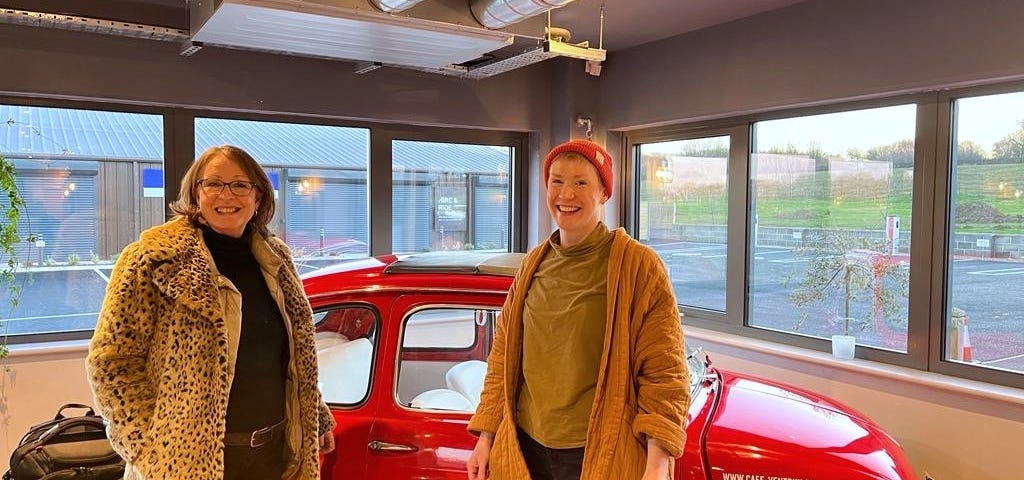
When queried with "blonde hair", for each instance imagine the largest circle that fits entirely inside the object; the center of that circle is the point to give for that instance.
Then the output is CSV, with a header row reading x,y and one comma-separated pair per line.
x,y
187,204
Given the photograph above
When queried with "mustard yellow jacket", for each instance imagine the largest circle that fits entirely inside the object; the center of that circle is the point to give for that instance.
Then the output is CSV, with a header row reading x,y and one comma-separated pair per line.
x,y
643,388
162,358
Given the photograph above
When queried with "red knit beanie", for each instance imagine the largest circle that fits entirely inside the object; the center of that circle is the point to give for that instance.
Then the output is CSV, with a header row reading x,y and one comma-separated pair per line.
x,y
598,157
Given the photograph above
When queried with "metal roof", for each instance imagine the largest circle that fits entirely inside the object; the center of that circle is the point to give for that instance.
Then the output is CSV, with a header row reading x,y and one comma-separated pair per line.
x,y
44,132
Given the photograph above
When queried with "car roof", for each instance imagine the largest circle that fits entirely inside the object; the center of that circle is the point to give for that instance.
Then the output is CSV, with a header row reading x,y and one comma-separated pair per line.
x,y
488,263
451,270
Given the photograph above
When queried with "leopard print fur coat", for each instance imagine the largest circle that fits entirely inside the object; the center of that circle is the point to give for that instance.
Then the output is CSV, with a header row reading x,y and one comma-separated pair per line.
x,y
161,360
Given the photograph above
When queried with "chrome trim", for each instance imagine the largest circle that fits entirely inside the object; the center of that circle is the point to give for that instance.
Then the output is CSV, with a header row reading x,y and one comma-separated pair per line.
x,y
379,446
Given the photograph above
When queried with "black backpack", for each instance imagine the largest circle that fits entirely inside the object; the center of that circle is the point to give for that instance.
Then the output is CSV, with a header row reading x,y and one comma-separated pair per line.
x,y
66,448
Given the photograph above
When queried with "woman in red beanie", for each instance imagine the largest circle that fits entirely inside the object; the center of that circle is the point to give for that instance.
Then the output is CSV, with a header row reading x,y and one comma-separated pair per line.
x,y
586,378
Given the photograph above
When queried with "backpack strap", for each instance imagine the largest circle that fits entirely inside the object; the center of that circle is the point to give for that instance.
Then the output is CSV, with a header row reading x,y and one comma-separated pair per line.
x,y
60,412
68,424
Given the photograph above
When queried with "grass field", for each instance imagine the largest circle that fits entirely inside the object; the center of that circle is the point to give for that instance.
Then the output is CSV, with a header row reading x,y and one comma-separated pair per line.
x,y
990,198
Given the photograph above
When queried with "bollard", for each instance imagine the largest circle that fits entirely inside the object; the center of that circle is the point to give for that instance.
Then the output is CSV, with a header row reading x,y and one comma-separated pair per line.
x,y
960,337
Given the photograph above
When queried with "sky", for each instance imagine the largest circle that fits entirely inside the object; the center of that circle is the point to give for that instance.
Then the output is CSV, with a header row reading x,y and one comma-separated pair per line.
x,y
984,120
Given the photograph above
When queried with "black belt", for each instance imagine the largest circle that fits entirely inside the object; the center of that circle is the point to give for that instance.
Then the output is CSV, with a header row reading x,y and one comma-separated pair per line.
x,y
254,439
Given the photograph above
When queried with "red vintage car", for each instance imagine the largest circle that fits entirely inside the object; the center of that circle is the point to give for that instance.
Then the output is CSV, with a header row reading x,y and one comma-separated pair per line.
x,y
402,345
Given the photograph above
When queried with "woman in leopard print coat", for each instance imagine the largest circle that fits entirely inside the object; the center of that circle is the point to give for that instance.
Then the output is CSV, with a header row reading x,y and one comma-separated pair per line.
x,y
162,361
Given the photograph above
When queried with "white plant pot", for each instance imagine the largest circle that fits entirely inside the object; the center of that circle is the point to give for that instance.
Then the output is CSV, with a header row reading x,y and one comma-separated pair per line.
x,y
844,346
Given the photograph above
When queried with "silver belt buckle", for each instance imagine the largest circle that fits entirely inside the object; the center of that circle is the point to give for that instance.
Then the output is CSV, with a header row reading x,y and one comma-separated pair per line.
x,y
263,431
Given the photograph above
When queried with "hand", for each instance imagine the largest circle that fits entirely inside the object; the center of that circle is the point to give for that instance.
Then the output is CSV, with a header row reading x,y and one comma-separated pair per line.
x,y
326,443
658,472
477,465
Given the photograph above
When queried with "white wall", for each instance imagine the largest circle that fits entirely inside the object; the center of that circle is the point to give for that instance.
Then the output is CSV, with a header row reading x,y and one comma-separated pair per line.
x,y
35,383
952,429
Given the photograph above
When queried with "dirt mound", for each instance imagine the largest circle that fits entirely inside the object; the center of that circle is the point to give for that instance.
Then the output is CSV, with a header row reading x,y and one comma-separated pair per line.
x,y
978,212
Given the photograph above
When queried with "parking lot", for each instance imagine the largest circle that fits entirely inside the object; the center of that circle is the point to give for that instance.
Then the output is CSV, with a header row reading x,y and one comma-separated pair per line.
x,y
66,298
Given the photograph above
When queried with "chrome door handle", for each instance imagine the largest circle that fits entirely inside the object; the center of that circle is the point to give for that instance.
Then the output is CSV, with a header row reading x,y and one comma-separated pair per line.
x,y
379,446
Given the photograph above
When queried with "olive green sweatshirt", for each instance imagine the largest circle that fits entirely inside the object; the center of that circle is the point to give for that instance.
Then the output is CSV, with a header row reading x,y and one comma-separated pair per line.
x,y
563,334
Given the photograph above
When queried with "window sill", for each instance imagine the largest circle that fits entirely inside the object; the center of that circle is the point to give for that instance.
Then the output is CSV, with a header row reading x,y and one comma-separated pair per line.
x,y
778,355
27,352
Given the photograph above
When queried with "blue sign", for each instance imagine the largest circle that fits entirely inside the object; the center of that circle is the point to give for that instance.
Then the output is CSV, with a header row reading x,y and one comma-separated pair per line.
x,y
153,182
273,176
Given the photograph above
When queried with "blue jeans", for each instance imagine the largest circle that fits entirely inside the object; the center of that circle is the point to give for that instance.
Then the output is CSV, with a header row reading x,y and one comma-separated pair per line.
x,y
550,463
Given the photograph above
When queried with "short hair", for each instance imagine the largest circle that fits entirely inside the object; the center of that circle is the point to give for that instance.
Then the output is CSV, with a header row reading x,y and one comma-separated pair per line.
x,y
187,204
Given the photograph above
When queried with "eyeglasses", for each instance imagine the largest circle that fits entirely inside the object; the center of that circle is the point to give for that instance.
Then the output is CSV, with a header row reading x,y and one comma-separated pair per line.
x,y
240,188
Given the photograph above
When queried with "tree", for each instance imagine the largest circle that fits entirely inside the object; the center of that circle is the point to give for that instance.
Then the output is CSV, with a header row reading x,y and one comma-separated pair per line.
x,y
707,148
845,268
969,152
900,154
1011,148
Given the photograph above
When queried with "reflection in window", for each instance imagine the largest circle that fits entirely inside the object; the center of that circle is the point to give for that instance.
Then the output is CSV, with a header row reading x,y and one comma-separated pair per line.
x,y
683,214
319,176
829,194
449,196
443,357
92,181
345,339
986,244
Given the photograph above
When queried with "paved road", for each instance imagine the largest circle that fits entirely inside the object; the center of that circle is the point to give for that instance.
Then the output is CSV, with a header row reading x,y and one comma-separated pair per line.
x,y
68,298
988,290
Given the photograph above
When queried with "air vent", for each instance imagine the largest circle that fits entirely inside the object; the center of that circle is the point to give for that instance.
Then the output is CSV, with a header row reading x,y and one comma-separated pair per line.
x,y
336,32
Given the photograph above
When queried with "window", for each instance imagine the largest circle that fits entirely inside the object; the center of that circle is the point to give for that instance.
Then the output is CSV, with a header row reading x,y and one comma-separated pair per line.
x,y
346,337
829,194
683,214
92,181
986,238
442,361
319,174
815,226
450,196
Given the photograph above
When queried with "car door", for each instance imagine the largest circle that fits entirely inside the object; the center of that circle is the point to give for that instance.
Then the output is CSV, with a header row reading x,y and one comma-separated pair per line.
x,y
443,341
347,340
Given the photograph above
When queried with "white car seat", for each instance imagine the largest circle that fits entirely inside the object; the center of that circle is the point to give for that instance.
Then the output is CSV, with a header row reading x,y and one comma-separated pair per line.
x,y
442,399
328,339
345,370
467,378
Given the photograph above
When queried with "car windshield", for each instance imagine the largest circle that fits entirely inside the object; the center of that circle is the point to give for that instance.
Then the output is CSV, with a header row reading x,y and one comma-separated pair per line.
x,y
695,362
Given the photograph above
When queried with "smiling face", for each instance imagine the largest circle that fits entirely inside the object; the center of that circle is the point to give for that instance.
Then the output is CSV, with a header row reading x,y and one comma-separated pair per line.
x,y
225,212
575,197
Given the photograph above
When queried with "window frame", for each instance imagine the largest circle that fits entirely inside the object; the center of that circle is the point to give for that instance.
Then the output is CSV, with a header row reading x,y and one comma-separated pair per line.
x,y
931,190
179,153
377,330
943,195
420,303
738,162
381,176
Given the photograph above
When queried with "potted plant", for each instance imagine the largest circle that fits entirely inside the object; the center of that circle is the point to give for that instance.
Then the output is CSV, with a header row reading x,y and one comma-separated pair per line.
x,y
10,213
846,271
